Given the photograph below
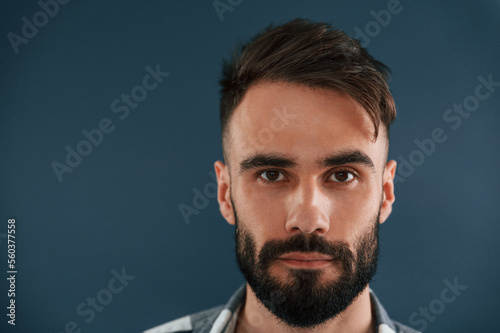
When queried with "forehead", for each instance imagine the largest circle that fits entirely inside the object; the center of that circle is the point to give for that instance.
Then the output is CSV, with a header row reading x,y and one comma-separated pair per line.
x,y
284,118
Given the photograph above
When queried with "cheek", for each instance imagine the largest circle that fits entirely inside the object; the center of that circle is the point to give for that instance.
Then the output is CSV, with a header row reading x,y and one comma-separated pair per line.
x,y
353,215
351,212
263,214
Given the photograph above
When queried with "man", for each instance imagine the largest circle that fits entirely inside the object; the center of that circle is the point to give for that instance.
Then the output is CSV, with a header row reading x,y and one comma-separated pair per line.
x,y
305,117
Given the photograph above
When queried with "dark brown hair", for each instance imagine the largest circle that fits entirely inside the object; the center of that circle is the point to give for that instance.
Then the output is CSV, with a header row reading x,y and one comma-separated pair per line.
x,y
310,54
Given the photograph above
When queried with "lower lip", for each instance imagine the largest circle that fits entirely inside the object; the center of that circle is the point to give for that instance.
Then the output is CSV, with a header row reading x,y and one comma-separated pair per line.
x,y
305,264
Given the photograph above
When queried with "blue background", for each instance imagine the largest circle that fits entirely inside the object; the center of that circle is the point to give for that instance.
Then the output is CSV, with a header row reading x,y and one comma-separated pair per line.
x,y
119,207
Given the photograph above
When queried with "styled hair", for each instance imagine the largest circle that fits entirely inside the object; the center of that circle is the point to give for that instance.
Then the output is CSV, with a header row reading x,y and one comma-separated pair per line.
x,y
311,54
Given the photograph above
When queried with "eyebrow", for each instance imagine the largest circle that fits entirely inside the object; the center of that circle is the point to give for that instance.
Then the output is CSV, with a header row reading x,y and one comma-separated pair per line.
x,y
260,160
347,157
285,161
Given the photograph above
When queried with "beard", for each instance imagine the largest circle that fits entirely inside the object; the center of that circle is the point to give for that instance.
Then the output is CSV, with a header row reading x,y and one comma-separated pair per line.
x,y
303,300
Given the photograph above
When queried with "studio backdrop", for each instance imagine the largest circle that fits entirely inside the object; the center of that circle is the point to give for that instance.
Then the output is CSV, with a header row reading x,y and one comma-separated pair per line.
x,y
109,130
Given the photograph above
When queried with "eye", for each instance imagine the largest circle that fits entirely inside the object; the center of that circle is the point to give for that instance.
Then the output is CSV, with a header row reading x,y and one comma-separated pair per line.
x,y
342,176
272,175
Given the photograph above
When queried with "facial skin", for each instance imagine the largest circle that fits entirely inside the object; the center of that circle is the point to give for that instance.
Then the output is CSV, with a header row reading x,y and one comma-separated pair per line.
x,y
302,165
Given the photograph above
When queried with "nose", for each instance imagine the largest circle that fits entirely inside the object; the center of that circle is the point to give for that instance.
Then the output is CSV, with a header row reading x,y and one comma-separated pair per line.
x,y
309,207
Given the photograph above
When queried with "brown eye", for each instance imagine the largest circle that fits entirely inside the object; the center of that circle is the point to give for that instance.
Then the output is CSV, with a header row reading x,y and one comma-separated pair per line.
x,y
272,175
342,176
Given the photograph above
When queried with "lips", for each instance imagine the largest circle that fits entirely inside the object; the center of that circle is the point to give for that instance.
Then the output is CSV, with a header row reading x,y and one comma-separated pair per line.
x,y
305,260
306,256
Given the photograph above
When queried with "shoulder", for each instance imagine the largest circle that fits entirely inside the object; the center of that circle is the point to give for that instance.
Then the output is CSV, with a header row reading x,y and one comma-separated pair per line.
x,y
385,323
400,328
189,323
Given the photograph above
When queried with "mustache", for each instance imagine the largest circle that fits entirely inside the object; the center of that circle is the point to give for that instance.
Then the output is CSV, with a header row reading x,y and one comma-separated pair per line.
x,y
272,249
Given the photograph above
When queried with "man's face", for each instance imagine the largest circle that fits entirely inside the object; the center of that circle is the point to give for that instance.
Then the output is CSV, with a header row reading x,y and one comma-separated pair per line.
x,y
306,186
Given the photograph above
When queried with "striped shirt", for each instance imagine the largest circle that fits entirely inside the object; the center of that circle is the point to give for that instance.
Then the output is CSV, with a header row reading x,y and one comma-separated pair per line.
x,y
223,318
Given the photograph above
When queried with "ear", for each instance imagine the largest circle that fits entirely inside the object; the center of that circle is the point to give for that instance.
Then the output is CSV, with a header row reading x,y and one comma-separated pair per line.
x,y
388,190
224,191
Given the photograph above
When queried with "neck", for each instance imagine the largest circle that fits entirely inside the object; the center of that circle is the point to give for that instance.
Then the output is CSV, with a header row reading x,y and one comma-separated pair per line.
x,y
357,318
